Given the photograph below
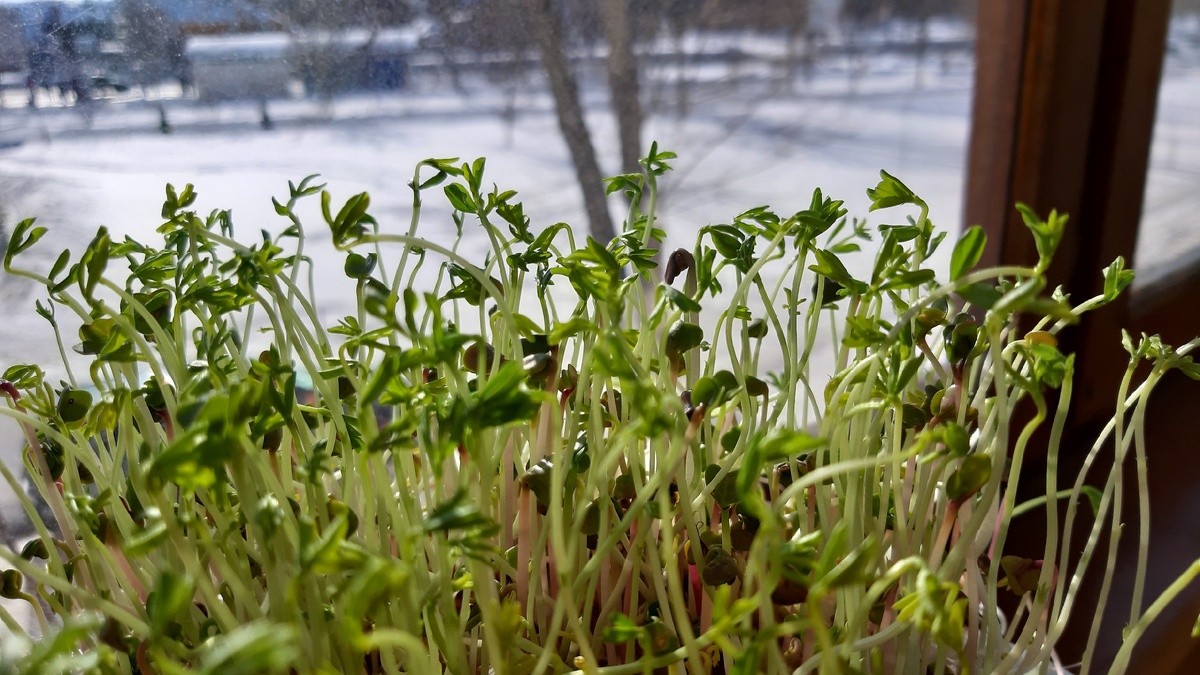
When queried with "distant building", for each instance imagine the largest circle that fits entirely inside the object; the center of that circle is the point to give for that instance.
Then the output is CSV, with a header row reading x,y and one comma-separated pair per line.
x,y
355,58
249,66
264,65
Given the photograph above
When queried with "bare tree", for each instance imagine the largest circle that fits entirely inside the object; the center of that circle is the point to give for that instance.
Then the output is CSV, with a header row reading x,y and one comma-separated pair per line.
x,y
623,81
12,43
922,12
856,15
793,15
547,29
475,28
863,10
326,60
146,35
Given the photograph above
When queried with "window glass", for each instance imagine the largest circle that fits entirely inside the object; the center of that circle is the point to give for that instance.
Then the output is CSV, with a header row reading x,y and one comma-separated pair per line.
x,y
105,103
1168,237
102,103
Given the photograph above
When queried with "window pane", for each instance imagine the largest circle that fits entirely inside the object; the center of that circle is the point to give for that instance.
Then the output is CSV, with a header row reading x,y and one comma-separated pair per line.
x,y
762,107
103,103
1169,236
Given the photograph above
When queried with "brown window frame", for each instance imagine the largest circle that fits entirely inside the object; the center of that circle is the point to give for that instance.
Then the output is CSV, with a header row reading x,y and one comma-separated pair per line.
x,y
1065,102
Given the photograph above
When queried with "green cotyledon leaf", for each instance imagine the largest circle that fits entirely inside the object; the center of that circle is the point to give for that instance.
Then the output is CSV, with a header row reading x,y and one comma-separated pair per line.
x,y
967,251
890,192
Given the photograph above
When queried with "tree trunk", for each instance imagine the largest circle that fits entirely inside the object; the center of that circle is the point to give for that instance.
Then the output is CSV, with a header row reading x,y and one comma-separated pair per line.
x,y
922,44
795,16
623,81
548,31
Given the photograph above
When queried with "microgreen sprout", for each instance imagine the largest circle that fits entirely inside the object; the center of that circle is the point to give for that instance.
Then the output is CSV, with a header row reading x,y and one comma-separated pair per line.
x,y
557,457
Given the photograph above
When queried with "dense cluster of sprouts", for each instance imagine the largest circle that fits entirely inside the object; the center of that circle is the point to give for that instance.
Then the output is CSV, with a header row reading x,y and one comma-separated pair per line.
x,y
561,458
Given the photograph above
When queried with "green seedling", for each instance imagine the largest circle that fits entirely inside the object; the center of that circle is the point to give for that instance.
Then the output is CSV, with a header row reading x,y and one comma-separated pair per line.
x,y
548,458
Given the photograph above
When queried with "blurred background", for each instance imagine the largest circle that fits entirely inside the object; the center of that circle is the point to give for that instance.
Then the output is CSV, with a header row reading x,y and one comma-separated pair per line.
x,y
103,103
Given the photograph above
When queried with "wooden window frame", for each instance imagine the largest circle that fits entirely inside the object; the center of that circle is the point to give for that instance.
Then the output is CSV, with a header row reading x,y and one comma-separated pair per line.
x,y
1063,117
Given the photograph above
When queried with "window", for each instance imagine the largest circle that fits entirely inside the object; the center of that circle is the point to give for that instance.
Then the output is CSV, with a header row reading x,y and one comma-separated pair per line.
x,y
241,96
1168,237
